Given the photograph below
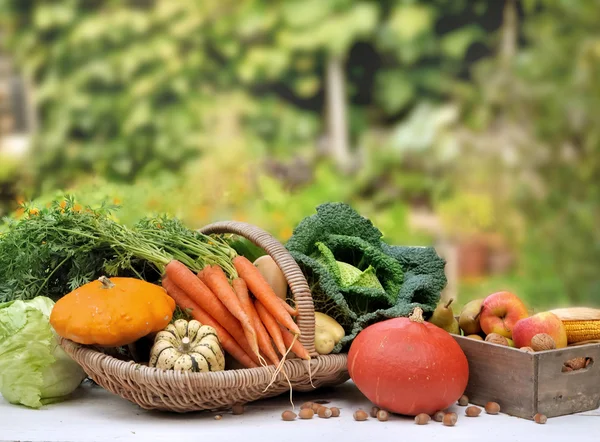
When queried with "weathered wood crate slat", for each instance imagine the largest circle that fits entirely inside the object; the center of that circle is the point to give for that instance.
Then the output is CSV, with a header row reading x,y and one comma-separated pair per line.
x,y
528,383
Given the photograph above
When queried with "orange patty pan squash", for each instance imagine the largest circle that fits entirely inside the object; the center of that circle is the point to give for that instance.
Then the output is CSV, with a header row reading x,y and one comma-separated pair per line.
x,y
112,312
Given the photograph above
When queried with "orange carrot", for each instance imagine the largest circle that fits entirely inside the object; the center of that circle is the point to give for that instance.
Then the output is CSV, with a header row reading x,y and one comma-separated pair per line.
x,y
198,292
291,310
216,280
264,340
226,340
297,348
271,325
261,289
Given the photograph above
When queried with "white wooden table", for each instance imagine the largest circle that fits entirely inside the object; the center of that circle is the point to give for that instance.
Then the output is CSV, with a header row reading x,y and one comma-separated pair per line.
x,y
93,414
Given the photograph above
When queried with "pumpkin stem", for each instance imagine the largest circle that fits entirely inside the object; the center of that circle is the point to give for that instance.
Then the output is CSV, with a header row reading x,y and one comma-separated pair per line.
x,y
106,283
417,315
185,344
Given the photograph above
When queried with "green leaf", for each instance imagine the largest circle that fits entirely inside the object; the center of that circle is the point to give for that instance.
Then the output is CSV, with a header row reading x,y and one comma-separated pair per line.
x,y
394,90
305,13
455,43
410,21
48,16
307,86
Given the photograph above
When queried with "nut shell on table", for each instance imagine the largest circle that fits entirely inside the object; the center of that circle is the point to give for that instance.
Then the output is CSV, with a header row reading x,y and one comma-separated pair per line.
x,y
360,415
306,413
438,416
288,415
463,401
324,413
382,415
306,405
422,419
492,408
450,419
473,411
540,418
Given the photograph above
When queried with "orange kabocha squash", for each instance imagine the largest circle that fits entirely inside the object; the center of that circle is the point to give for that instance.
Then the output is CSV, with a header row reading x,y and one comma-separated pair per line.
x,y
112,312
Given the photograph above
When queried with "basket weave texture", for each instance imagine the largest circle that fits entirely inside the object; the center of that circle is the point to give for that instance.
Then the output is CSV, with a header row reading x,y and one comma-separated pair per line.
x,y
168,390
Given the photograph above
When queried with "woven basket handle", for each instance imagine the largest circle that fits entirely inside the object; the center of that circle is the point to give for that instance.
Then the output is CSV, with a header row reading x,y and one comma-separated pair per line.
x,y
292,272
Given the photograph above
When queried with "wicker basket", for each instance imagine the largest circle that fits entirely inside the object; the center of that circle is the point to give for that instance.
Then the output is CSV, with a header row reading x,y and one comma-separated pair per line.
x,y
152,388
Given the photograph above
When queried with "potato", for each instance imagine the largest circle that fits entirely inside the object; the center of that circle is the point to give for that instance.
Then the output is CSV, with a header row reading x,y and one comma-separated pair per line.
x,y
327,333
324,342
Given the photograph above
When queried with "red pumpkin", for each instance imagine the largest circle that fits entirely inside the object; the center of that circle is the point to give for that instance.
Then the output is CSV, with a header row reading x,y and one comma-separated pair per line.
x,y
408,366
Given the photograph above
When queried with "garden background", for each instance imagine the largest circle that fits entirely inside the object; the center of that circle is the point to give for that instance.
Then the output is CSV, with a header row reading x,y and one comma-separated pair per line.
x,y
473,126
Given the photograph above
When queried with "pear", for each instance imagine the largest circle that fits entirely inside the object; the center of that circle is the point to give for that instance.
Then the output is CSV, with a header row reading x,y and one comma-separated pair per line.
x,y
454,328
469,317
444,318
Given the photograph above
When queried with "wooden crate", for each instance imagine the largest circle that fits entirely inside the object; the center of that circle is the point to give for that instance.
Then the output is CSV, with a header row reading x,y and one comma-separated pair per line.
x,y
528,383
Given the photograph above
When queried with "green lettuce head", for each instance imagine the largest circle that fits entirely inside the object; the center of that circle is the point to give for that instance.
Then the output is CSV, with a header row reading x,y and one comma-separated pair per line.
x,y
34,369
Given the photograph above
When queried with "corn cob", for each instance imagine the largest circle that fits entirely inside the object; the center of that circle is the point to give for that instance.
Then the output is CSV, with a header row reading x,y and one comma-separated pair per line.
x,y
581,324
578,331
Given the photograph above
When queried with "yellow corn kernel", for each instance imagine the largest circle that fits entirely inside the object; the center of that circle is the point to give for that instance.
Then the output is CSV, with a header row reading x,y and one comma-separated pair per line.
x,y
578,331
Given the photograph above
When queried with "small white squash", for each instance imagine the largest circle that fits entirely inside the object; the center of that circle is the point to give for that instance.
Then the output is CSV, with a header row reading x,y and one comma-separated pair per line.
x,y
187,346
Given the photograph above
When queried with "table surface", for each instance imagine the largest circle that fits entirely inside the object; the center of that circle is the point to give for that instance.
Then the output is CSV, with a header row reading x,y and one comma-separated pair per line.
x,y
94,414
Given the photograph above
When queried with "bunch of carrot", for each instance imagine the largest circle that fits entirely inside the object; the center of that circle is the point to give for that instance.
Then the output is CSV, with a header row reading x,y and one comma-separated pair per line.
x,y
253,324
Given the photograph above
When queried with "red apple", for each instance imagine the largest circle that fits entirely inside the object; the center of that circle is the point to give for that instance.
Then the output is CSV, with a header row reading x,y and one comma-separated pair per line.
x,y
545,322
500,312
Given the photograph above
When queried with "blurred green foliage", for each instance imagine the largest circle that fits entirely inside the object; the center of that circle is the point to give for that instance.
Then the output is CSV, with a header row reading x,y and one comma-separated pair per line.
x,y
213,110
119,84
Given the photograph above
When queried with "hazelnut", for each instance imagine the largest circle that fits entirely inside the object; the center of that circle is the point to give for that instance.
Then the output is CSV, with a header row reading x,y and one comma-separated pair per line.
x,y
450,419
473,411
496,338
382,415
360,415
218,417
306,405
237,409
492,408
324,413
335,411
540,418
315,407
288,415
463,401
306,413
422,419
527,349
438,416
542,341
374,411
